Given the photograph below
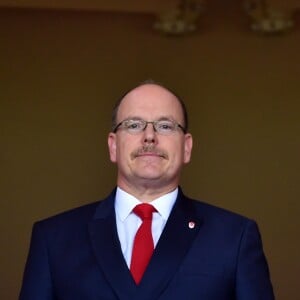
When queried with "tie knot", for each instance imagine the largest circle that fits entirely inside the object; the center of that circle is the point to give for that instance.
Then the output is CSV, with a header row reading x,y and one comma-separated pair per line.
x,y
144,211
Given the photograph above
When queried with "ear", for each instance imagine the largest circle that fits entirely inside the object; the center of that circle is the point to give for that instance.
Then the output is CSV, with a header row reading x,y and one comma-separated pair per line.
x,y
188,145
111,140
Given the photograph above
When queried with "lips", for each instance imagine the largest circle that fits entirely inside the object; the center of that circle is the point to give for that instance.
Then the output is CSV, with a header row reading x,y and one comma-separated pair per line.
x,y
149,154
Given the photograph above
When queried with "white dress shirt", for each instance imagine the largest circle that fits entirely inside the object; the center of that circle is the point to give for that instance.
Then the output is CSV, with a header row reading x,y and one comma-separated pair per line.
x,y
128,222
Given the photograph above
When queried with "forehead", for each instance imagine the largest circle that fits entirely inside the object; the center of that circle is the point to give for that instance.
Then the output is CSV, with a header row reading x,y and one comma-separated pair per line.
x,y
150,102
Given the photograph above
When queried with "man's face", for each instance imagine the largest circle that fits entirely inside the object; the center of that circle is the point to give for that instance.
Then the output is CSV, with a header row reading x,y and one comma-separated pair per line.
x,y
149,158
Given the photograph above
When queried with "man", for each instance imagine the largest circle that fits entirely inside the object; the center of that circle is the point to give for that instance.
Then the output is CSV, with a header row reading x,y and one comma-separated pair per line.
x,y
97,251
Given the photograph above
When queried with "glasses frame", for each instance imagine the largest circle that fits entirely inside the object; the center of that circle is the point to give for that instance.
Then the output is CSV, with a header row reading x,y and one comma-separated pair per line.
x,y
176,125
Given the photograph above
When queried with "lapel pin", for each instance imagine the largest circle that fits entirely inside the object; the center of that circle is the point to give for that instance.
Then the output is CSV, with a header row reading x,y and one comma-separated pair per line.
x,y
191,225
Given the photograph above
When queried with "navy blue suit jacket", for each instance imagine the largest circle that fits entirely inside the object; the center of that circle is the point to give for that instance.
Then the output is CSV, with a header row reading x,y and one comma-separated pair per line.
x,y
77,256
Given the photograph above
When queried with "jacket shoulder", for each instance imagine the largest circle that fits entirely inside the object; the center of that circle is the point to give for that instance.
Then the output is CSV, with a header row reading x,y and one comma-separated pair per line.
x,y
72,218
213,212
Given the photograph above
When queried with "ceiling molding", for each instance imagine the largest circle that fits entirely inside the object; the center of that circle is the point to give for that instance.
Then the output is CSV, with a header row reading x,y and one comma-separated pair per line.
x,y
135,6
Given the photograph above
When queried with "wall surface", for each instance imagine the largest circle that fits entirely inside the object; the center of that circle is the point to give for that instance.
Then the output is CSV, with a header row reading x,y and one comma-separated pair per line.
x,y
60,74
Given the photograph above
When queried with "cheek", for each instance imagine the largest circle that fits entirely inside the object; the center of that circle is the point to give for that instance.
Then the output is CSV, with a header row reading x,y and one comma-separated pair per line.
x,y
175,151
124,149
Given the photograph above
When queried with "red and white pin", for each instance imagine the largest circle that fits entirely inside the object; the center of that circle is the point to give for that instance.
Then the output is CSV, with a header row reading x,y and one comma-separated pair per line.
x,y
192,224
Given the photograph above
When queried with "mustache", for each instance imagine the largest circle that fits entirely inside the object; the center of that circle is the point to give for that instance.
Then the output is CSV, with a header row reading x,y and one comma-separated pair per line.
x,y
149,149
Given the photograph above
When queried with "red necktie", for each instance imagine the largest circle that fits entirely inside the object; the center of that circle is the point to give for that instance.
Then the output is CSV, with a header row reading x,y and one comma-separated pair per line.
x,y
143,242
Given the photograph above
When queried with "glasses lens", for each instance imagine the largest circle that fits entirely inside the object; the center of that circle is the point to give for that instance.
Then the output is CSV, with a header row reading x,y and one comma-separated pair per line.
x,y
165,126
134,126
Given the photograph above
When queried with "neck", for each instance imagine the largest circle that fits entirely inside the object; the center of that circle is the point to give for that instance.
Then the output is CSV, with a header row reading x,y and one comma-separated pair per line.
x,y
147,193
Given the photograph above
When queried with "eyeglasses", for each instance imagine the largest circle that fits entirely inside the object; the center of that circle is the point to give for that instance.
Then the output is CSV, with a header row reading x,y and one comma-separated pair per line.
x,y
135,126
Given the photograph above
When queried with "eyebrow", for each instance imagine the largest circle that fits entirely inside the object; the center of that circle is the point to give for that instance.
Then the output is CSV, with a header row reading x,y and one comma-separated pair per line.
x,y
162,118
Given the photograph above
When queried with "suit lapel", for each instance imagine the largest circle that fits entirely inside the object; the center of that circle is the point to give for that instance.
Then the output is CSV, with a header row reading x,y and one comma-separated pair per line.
x,y
175,241
106,245
180,231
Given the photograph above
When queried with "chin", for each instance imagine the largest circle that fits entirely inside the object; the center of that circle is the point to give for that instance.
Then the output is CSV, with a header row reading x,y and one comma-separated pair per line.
x,y
149,175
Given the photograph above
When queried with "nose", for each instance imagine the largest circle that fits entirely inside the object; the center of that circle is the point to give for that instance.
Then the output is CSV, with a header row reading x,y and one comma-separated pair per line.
x,y
149,134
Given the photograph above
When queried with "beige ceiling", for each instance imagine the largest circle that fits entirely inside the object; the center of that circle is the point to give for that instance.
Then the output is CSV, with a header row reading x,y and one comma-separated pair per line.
x,y
146,6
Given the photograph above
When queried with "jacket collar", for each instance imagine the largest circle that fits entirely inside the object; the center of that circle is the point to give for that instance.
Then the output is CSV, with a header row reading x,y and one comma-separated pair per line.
x,y
180,231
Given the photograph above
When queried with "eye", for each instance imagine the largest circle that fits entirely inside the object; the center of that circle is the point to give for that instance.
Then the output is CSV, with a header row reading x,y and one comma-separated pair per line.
x,y
165,126
133,125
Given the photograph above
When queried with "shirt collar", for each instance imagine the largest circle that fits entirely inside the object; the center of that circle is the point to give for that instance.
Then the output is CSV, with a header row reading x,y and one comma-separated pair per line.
x,y
124,203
